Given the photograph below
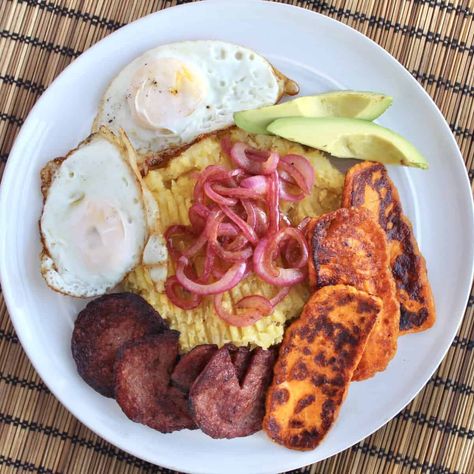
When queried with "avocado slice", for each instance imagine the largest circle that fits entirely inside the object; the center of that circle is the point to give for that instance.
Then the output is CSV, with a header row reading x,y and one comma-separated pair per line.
x,y
355,104
350,138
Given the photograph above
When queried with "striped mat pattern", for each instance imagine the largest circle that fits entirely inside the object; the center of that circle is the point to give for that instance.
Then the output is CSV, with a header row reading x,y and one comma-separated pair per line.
x,y
434,40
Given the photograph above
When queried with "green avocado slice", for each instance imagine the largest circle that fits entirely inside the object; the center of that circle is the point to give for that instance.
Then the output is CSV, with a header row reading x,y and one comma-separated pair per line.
x,y
350,138
355,104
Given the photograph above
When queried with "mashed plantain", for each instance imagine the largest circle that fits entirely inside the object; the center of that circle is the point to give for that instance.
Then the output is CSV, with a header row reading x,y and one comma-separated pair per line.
x,y
172,188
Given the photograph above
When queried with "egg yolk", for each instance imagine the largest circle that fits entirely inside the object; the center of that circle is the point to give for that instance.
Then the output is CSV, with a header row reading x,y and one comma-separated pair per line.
x,y
164,91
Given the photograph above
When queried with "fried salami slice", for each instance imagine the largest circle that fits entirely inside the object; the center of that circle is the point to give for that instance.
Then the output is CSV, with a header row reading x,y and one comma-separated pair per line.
x,y
191,365
317,358
368,185
241,357
142,383
102,327
221,407
348,247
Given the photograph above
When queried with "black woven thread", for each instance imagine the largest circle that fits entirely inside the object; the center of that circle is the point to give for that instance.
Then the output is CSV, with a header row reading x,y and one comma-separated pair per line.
x,y
449,7
24,84
77,440
11,119
71,13
462,388
18,465
456,87
9,337
50,47
397,458
463,343
470,301
432,422
397,27
461,132
23,383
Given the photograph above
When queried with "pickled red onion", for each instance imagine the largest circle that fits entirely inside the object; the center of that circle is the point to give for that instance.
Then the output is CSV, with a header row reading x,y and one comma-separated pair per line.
x,y
254,307
187,299
237,228
252,160
228,281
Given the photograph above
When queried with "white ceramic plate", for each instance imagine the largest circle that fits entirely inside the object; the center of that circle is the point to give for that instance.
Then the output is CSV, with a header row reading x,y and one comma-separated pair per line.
x,y
320,54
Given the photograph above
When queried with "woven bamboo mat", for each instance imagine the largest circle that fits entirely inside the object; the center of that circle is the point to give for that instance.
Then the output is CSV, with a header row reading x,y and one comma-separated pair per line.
x,y
434,39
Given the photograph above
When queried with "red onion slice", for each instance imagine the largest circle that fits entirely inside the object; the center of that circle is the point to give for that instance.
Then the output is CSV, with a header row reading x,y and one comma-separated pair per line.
x,y
273,201
171,233
209,260
295,245
197,216
239,193
280,296
292,175
237,244
248,232
254,161
261,227
228,281
287,195
303,171
179,296
264,255
232,255
253,307
258,183
210,174
216,197
251,213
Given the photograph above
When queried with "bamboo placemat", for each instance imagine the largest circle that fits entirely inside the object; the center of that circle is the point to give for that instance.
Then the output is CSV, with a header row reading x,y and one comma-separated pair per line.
x,y
434,40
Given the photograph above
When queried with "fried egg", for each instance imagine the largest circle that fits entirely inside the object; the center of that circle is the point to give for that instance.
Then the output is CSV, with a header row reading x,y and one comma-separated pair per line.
x,y
96,218
174,93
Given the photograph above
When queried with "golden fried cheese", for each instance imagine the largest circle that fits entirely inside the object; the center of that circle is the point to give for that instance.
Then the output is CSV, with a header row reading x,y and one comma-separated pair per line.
x,y
348,247
368,185
317,359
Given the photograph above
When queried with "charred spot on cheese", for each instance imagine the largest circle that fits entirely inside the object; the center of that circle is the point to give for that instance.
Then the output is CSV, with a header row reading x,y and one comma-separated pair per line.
x,y
368,185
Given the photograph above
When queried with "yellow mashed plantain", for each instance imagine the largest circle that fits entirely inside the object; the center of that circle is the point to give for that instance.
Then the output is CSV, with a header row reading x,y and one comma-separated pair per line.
x,y
173,187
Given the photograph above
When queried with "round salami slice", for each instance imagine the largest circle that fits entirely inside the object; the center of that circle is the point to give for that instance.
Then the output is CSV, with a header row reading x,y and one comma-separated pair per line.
x,y
142,383
102,327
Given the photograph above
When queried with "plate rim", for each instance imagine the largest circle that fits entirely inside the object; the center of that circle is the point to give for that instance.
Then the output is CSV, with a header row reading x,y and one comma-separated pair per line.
x,y
14,160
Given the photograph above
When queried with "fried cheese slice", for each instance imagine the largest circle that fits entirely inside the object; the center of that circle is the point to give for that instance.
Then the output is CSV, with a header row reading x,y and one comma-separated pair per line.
x,y
348,247
368,185
317,358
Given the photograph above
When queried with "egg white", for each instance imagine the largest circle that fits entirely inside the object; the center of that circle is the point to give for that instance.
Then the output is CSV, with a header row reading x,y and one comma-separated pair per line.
x,y
94,220
176,92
